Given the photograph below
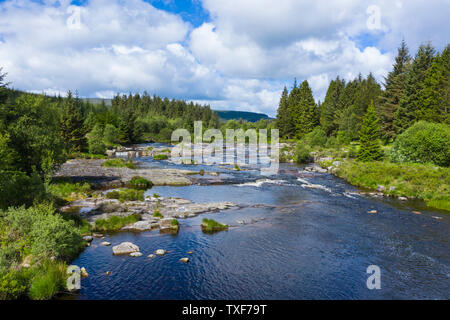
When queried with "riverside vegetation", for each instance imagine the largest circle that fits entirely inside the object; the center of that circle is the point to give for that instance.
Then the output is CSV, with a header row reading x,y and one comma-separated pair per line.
x,y
396,136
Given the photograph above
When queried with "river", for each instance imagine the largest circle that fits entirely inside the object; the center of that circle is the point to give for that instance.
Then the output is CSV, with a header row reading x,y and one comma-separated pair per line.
x,y
305,236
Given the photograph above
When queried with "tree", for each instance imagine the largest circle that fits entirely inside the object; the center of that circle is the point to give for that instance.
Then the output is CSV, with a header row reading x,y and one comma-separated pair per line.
x,y
370,148
304,113
330,107
434,98
95,140
110,135
408,111
283,117
390,98
72,125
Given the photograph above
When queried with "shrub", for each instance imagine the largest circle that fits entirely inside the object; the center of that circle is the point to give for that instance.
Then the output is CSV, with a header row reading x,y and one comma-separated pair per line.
x,y
423,143
157,214
95,141
210,225
236,167
119,163
69,191
317,137
115,223
126,195
140,183
17,188
302,153
12,286
160,157
49,281
174,222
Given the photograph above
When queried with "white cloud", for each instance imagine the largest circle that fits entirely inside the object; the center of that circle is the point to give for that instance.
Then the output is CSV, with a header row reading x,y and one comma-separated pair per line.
x,y
240,59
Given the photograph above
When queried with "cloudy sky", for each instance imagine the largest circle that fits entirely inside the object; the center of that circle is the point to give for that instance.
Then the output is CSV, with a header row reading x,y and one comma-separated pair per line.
x,y
231,54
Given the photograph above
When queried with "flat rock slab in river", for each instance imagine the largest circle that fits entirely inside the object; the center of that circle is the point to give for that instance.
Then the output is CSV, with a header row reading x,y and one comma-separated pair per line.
x,y
94,172
125,248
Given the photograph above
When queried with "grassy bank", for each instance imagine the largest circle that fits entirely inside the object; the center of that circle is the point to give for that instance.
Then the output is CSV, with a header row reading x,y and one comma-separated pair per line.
x,y
430,183
115,223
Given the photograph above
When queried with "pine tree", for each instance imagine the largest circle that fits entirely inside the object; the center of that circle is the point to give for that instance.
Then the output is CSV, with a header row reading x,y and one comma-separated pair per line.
x,y
434,98
370,148
407,112
293,101
283,114
305,113
72,130
329,109
390,99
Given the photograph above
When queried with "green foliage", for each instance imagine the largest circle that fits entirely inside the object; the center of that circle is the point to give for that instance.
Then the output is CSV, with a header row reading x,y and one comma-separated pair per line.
x,y
95,141
210,225
17,188
302,152
157,214
69,191
110,135
316,138
50,280
330,107
370,148
174,222
115,223
12,285
140,183
237,168
126,195
426,182
423,143
119,163
72,129
160,157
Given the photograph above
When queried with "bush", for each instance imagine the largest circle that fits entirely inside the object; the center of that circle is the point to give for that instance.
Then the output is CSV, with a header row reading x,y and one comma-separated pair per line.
x,y
126,195
49,281
160,157
115,223
157,214
423,143
317,137
12,285
140,183
210,225
17,188
119,163
69,191
95,141
302,153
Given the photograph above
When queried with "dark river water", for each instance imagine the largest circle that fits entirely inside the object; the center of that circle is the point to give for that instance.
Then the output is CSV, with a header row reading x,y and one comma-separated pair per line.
x,y
297,242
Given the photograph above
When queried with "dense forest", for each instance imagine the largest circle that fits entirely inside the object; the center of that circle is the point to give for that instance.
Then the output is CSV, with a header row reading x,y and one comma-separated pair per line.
x,y
416,89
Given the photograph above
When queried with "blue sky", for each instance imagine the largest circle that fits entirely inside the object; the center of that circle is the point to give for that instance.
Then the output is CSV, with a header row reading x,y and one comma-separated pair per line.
x,y
234,54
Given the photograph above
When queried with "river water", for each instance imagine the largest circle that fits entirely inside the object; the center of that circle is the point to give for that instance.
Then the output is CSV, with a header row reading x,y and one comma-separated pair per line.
x,y
305,236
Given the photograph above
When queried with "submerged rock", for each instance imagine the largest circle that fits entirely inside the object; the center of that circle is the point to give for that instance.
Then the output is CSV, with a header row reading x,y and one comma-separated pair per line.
x,y
83,272
125,248
372,211
185,260
105,243
160,252
135,254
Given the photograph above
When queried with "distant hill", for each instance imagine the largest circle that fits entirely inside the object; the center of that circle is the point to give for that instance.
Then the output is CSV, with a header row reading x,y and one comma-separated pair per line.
x,y
244,115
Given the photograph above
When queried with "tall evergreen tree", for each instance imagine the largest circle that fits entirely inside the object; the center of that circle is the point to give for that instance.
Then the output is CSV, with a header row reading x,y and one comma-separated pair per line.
x,y
370,148
293,102
408,110
390,98
72,130
305,113
283,117
434,98
329,109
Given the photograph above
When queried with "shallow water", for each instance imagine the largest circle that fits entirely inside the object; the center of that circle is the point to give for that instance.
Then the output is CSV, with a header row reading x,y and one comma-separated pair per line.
x,y
298,242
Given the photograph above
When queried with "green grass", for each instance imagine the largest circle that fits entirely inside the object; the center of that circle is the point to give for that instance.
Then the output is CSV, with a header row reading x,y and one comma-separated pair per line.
x,y
174,224
210,225
165,150
83,155
157,214
126,195
160,157
236,167
69,191
119,163
140,183
115,223
423,181
49,281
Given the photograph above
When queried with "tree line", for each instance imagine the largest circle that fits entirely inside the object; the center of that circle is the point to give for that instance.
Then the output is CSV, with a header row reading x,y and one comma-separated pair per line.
x,y
416,89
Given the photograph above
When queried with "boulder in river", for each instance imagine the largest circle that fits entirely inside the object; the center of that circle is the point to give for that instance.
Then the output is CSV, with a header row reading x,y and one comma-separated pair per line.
x,y
372,211
135,254
160,252
125,248
185,260
105,243
88,238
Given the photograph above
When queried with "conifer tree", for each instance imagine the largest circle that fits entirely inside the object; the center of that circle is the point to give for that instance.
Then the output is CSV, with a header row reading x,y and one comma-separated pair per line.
x,y
305,113
408,110
390,98
329,109
370,148
434,98
72,130
283,114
